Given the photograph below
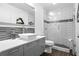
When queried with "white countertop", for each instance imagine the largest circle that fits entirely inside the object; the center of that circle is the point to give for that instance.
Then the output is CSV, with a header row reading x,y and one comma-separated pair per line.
x,y
11,43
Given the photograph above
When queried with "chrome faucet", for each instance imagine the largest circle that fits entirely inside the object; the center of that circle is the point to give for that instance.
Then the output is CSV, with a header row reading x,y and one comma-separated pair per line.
x,y
13,34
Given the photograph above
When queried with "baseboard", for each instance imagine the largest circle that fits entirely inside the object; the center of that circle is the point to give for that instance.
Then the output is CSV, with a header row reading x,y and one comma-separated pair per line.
x,y
61,49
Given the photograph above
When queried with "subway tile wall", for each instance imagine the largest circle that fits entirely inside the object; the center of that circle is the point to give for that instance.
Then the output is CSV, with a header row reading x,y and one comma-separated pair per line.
x,y
29,30
5,32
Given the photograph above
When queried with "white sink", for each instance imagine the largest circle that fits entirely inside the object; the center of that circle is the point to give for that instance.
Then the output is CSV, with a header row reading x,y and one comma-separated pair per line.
x,y
27,36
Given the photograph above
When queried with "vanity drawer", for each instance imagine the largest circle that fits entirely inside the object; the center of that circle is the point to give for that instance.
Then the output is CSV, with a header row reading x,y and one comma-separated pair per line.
x,y
4,53
30,44
16,51
34,48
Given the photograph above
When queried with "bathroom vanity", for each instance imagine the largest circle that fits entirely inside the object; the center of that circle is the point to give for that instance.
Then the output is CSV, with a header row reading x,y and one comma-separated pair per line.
x,y
18,47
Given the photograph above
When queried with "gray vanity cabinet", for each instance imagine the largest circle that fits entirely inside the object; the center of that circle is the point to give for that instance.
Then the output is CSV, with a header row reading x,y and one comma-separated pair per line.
x,y
32,51
35,48
29,51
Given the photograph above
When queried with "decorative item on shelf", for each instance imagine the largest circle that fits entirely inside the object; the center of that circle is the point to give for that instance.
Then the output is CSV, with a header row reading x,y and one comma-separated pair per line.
x,y
30,23
19,21
77,19
78,14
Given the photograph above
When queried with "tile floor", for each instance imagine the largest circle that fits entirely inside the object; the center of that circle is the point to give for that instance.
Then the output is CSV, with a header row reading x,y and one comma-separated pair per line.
x,y
56,53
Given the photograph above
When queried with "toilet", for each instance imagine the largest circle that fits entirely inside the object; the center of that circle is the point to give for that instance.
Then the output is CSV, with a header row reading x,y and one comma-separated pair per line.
x,y
49,44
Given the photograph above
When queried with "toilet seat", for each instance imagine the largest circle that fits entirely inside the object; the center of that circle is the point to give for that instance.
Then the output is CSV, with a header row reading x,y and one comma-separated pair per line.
x,y
49,42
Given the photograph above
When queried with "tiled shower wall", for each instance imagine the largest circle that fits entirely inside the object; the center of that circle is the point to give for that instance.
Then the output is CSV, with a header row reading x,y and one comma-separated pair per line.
x,y
5,32
60,33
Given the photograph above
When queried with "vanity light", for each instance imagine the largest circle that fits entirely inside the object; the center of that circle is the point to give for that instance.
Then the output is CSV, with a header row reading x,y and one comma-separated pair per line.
x,y
54,3
51,14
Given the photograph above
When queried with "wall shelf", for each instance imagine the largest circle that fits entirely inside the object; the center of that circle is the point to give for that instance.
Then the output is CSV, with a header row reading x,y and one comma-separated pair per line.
x,y
2,24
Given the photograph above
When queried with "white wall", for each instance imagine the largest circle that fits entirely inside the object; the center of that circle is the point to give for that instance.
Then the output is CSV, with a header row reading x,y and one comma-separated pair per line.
x,y
76,41
31,18
9,14
76,30
76,38
39,20
66,12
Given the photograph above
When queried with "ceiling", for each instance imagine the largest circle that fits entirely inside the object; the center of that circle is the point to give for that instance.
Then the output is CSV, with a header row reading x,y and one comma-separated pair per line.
x,y
60,11
25,7
51,7
66,9
47,6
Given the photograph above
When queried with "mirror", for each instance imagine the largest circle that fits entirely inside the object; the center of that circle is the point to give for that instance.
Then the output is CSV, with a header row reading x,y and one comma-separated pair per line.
x,y
29,10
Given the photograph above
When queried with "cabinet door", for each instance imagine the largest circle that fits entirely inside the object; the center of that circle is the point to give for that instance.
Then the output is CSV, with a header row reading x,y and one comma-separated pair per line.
x,y
14,52
34,49
28,48
31,51
11,52
21,51
39,47
38,50
18,51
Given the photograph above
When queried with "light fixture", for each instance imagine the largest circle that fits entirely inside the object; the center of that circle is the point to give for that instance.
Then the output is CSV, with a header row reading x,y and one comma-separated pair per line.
x,y
31,4
51,14
54,3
